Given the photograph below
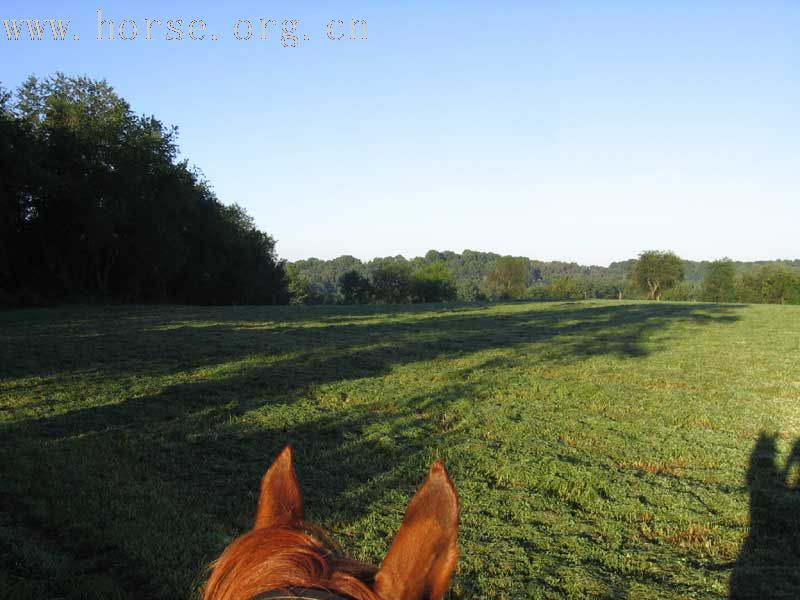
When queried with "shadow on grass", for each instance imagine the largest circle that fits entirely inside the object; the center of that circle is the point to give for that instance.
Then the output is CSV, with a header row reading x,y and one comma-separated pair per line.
x,y
769,561
160,484
152,342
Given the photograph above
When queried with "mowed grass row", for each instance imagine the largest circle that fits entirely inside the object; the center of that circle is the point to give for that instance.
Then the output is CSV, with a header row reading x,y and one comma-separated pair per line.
x,y
600,449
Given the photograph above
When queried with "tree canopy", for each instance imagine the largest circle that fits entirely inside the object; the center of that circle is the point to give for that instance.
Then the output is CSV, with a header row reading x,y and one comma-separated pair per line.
x,y
507,279
433,283
657,271
719,284
773,284
552,280
355,288
392,282
95,205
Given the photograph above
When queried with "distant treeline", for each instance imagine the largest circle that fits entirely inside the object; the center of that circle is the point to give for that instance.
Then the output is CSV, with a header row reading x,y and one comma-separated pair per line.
x,y
474,276
95,206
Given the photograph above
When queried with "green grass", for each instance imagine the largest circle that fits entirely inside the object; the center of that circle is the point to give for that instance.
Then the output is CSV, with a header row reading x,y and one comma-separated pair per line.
x,y
600,449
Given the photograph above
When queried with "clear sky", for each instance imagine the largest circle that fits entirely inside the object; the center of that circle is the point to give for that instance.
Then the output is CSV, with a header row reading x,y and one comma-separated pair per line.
x,y
584,131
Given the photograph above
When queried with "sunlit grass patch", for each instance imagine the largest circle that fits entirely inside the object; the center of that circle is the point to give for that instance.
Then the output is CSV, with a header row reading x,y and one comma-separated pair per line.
x,y
673,468
600,449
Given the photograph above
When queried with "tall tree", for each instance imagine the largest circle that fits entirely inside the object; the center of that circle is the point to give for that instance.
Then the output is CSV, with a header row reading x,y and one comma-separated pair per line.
x,y
656,271
95,205
433,283
298,286
771,284
719,284
392,282
507,279
355,288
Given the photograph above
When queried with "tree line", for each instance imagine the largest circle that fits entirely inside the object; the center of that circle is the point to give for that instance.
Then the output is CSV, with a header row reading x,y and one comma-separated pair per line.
x,y
96,206
483,276
393,282
661,275
470,272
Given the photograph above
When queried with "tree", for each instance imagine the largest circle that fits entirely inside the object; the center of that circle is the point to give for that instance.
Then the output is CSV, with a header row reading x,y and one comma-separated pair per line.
x,y
507,279
469,290
656,271
433,283
471,271
771,284
355,288
392,282
683,291
720,282
569,288
298,286
94,204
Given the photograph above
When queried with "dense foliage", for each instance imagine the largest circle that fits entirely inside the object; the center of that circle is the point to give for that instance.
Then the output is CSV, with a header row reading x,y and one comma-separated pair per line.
x,y
433,283
720,282
772,284
507,279
470,276
477,276
392,282
655,272
94,205
356,289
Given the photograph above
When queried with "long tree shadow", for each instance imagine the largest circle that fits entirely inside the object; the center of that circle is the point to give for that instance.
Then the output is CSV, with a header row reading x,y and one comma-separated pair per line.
x,y
768,565
153,343
295,359
179,440
206,482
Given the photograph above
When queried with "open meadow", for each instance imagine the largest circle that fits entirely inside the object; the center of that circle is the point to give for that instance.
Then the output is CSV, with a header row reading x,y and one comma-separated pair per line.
x,y
600,449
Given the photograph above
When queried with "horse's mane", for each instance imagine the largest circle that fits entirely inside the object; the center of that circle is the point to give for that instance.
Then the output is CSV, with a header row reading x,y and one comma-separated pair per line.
x,y
269,559
283,553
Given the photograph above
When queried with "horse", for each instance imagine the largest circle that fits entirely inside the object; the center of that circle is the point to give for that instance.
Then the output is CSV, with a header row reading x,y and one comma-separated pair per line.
x,y
284,557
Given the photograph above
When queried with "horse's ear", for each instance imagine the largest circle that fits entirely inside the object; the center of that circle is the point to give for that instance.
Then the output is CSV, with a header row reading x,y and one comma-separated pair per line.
x,y
280,504
423,554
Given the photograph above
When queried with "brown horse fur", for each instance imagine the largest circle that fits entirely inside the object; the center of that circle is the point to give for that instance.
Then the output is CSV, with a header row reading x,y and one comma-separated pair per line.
x,y
282,551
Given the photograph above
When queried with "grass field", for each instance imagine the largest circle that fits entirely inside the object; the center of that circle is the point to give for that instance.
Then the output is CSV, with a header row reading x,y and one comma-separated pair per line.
x,y
600,449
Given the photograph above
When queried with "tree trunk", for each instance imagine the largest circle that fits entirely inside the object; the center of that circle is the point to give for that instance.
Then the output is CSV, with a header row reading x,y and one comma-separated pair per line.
x,y
654,286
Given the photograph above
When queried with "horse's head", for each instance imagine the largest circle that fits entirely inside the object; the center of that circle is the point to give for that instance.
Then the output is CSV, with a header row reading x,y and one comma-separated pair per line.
x,y
282,557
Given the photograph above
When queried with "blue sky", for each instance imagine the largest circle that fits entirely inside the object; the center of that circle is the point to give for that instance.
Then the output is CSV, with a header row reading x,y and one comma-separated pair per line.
x,y
584,131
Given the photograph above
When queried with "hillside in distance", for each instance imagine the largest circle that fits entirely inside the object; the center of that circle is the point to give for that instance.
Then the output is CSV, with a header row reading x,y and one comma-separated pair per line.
x,y
470,268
